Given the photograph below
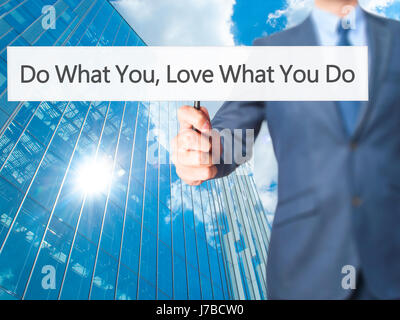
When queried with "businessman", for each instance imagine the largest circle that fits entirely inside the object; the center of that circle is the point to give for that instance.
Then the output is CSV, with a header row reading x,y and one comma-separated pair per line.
x,y
338,212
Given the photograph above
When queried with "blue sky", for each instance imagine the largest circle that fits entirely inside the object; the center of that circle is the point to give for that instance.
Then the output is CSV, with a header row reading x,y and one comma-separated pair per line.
x,y
249,19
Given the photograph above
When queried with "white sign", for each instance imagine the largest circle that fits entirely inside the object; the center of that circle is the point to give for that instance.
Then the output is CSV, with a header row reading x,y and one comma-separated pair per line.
x,y
187,73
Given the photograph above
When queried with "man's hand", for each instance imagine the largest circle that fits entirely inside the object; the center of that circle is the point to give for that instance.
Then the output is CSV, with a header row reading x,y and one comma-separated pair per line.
x,y
193,151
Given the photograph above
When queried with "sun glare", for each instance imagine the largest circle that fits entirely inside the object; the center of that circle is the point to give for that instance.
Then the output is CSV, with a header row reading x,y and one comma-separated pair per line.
x,y
94,175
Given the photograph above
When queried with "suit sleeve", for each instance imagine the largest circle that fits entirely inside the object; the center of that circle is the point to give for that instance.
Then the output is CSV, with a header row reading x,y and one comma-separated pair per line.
x,y
233,119
239,124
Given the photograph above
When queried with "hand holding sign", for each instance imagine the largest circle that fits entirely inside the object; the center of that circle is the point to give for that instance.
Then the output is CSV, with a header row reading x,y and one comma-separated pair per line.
x,y
194,151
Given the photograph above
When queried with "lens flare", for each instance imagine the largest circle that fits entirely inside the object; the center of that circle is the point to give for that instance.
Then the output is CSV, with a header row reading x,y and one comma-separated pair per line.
x,y
94,175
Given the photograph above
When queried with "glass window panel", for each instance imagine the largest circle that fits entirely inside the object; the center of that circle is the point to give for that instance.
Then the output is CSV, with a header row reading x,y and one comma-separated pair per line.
x,y
164,224
206,290
53,253
15,43
84,23
138,166
148,257
69,202
111,237
194,284
36,30
127,136
23,161
176,197
152,176
7,38
164,272
146,290
44,122
246,281
133,38
64,17
131,244
15,265
67,31
8,140
191,247
96,26
135,200
3,117
23,16
108,36
4,26
203,257
141,130
122,35
180,284
7,106
92,215
178,233
119,186
111,130
127,284
3,82
164,185
104,279
214,266
141,43
25,112
48,180
6,296
187,205
77,281
67,133
10,199
88,142
162,296
150,212
210,235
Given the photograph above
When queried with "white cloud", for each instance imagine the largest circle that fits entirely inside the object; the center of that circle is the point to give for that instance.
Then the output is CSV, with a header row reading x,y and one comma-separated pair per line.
x,y
180,22
376,5
192,200
6,275
387,8
294,11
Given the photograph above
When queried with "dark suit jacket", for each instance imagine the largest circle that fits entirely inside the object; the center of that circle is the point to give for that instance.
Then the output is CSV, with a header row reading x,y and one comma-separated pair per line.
x,y
338,196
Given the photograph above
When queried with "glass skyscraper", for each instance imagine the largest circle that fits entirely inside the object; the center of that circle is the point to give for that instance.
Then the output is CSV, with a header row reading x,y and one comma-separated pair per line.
x,y
90,206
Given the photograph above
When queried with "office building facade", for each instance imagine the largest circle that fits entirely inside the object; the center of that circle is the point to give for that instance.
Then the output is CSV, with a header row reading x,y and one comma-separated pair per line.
x,y
90,205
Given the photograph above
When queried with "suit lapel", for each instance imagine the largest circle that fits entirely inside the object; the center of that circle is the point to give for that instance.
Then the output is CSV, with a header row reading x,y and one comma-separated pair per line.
x,y
379,40
326,111
307,35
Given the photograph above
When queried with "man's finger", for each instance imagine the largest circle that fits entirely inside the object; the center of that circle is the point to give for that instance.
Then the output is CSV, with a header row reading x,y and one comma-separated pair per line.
x,y
188,139
190,117
192,158
192,183
196,174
